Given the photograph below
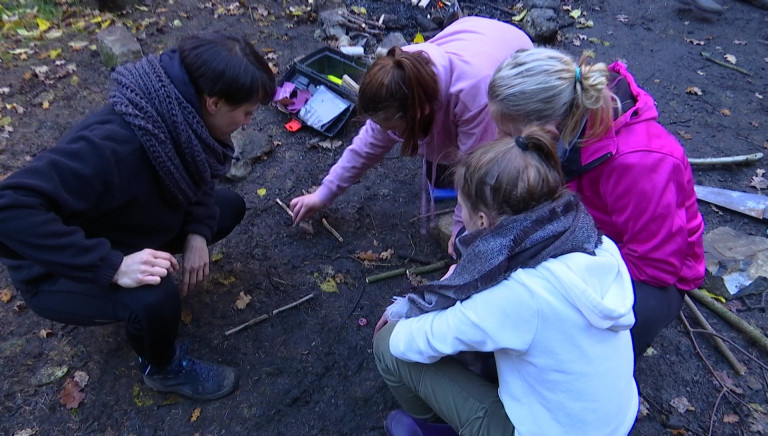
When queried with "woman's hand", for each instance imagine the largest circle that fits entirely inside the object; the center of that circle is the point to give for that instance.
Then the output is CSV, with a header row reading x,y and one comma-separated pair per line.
x,y
450,271
451,249
380,324
305,206
196,263
145,267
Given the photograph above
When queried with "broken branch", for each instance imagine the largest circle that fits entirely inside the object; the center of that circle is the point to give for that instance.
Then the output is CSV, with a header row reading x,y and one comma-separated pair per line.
x,y
731,318
264,316
719,344
332,230
419,270
728,160
285,208
708,57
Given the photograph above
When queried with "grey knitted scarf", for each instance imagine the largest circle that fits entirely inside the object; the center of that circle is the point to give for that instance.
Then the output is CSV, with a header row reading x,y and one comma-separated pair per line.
x,y
489,256
177,141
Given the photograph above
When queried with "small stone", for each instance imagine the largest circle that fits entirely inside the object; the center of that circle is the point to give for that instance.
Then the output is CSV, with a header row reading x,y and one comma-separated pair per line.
x,y
541,24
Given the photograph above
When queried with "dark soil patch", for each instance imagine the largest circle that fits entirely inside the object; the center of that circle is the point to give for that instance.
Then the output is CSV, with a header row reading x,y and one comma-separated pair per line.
x,y
309,370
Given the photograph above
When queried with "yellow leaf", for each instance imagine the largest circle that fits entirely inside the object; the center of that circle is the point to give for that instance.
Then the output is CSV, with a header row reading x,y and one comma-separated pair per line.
x,y
419,38
242,300
329,286
195,415
45,333
54,53
54,34
106,24
519,17
716,297
683,134
6,295
43,25
74,80
5,121
725,112
216,257
261,192
576,13
360,10
46,105
730,58
694,41
226,280
731,418
186,316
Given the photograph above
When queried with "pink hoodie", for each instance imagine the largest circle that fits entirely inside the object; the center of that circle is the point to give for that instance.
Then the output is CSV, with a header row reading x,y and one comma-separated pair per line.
x,y
642,196
464,56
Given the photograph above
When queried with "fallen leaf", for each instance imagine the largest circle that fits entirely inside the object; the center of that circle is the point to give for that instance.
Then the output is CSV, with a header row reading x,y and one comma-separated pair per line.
x,y
195,415
369,256
45,333
261,192
81,378
386,255
215,257
730,58
6,295
650,351
681,404
26,432
329,285
419,38
242,300
694,41
581,23
72,394
739,42
758,421
576,13
731,418
340,278
693,90
679,432
726,381
622,18
683,134
725,112
186,316
359,10
701,73
415,279
754,123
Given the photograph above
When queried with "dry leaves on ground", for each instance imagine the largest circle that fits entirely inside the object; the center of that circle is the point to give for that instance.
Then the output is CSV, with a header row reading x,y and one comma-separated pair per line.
x,y
72,394
242,300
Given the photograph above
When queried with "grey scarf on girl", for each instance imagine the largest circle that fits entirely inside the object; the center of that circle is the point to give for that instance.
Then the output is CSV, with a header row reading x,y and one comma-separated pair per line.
x,y
177,141
490,255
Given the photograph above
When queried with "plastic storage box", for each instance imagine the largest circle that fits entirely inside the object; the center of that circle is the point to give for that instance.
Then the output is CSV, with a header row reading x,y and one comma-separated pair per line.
x,y
313,70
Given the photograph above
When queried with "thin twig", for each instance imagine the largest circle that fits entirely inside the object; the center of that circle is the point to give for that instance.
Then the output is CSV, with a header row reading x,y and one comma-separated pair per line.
x,y
714,410
264,316
736,346
333,232
285,208
719,344
708,57
439,212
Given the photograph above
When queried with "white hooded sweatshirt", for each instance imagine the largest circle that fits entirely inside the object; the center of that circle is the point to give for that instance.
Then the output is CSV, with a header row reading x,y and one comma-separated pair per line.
x,y
560,334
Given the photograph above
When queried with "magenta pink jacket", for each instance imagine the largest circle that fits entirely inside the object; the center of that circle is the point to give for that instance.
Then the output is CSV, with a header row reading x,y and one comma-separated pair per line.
x,y
464,56
642,196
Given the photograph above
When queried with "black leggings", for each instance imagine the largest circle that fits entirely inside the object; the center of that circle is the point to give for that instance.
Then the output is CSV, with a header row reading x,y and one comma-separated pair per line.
x,y
654,309
151,313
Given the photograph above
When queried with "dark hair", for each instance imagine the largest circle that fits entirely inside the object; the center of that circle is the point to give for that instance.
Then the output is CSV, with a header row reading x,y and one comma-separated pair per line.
x,y
401,85
509,175
227,67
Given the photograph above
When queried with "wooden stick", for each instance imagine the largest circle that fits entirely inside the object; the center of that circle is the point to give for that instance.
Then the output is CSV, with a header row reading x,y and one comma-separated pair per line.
x,y
285,208
332,230
733,319
745,158
719,344
264,316
419,270
439,212
708,57
350,84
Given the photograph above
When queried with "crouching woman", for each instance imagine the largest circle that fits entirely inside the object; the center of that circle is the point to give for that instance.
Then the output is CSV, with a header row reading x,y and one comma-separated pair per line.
x,y
537,285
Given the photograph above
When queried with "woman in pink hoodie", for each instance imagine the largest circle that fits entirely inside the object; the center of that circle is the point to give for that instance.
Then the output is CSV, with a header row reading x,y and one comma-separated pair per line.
x,y
432,97
631,173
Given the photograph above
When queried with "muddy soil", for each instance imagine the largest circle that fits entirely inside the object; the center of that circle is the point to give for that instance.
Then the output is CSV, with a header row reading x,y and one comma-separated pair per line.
x,y
309,370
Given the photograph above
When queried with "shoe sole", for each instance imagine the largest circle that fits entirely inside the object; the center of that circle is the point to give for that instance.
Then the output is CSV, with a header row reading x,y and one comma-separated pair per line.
x,y
190,395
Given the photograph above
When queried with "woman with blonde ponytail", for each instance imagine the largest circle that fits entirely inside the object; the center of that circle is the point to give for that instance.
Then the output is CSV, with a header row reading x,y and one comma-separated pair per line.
x,y
431,97
538,286
630,172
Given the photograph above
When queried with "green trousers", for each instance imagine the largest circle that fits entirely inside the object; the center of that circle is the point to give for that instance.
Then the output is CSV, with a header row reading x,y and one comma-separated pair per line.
x,y
443,390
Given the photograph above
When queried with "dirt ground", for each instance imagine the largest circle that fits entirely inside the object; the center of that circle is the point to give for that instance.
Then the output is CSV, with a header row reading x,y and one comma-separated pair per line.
x,y
309,370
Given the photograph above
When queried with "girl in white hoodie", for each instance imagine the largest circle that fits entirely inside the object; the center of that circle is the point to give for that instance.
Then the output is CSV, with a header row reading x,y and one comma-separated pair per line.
x,y
537,285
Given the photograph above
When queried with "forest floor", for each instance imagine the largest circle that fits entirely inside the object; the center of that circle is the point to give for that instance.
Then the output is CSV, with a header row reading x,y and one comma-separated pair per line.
x,y
309,370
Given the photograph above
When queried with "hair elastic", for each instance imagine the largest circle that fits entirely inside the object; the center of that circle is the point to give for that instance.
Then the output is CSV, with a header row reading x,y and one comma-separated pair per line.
x,y
578,74
522,143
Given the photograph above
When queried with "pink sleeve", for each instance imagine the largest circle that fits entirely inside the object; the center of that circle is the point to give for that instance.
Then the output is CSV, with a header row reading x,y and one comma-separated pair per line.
x,y
367,149
640,192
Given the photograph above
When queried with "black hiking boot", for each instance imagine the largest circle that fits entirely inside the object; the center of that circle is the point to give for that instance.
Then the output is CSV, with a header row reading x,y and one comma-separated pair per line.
x,y
191,377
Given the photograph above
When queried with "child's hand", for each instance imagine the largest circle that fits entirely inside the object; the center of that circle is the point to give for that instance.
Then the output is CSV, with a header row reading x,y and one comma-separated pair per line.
x,y
305,206
380,324
451,250
450,271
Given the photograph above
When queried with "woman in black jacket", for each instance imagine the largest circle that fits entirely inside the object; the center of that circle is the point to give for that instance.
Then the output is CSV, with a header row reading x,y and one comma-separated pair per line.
x,y
90,226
